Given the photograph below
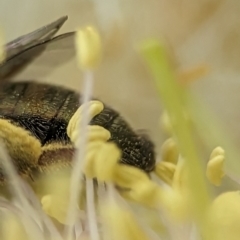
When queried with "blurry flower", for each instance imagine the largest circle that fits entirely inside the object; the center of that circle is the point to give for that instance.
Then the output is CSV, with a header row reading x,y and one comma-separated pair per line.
x,y
215,171
106,200
223,217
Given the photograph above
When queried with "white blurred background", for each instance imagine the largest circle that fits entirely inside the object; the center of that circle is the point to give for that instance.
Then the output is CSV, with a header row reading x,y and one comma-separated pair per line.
x,y
196,31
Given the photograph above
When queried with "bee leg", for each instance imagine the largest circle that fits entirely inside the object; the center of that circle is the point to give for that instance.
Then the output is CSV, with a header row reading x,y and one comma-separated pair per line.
x,y
23,149
73,128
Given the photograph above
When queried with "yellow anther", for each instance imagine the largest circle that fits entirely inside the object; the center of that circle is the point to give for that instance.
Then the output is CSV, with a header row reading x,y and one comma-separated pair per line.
x,y
94,133
165,171
215,171
89,161
106,162
101,161
145,192
51,205
169,151
216,152
215,164
73,128
126,176
224,216
89,48
56,206
94,146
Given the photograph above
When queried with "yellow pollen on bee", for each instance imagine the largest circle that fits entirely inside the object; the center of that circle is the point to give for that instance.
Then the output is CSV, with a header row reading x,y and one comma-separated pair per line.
x,y
20,142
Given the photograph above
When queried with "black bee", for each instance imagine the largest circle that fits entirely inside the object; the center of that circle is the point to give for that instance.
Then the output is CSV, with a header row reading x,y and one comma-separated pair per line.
x,y
34,116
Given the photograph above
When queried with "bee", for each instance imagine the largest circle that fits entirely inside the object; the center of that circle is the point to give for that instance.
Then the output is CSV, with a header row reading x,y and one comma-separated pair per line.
x,y
34,116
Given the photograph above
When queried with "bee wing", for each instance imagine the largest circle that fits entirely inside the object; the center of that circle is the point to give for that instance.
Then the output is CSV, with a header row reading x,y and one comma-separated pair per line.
x,y
25,49
40,59
40,35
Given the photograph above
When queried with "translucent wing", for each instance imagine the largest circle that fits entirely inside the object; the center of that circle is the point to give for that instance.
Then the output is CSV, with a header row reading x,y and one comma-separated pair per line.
x,y
25,49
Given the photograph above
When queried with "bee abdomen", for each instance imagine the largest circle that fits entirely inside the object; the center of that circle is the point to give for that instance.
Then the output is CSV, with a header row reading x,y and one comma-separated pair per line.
x,y
136,149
